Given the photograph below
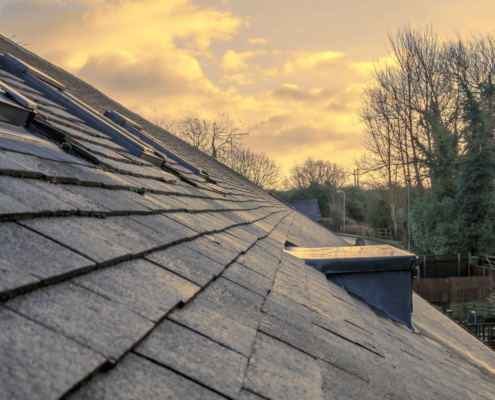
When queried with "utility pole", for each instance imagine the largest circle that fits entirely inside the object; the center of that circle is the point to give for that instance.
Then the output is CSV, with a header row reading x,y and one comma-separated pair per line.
x,y
341,191
408,182
356,177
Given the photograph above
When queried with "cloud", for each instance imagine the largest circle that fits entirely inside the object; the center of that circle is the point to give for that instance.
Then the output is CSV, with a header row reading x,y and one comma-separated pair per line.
x,y
366,68
234,61
294,92
155,57
317,63
239,79
271,72
257,40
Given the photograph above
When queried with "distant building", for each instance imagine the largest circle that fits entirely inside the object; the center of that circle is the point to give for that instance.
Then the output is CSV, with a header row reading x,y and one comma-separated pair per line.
x,y
309,208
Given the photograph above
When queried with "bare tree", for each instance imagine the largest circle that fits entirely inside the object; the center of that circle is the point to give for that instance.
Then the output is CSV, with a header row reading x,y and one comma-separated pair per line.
x,y
168,126
411,106
256,166
311,170
217,137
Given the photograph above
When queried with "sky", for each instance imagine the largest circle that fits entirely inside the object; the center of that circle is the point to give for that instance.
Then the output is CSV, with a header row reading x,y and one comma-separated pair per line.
x,y
292,71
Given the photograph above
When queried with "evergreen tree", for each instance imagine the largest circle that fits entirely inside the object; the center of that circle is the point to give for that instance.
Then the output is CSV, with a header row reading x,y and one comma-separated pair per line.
x,y
475,190
456,214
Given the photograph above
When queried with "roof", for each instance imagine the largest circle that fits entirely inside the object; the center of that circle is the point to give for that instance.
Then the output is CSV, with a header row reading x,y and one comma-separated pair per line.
x,y
123,279
309,208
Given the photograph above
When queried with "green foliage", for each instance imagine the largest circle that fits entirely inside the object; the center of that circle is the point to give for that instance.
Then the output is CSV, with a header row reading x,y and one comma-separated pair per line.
x,y
355,203
475,190
435,226
67,147
139,190
458,218
378,213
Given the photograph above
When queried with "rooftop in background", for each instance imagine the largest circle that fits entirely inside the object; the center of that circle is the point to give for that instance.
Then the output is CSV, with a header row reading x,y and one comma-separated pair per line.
x,y
124,274
310,208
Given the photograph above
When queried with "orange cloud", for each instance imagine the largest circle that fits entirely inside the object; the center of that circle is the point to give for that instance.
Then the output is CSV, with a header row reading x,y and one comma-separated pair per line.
x,y
151,56
319,63
257,40
234,61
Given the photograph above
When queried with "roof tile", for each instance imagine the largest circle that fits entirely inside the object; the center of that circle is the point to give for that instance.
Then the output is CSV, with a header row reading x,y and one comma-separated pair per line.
x,y
226,313
247,278
278,371
196,356
143,287
187,263
87,318
28,259
36,362
137,378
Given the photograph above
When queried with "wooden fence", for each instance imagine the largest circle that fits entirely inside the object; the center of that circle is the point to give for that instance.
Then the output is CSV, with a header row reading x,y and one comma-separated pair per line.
x,y
486,260
479,270
443,266
376,233
474,288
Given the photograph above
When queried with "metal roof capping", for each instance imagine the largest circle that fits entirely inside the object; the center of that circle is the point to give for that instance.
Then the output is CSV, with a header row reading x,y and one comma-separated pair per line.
x,y
380,275
120,279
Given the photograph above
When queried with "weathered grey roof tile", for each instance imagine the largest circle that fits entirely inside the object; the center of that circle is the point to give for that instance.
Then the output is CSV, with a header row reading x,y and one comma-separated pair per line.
x,y
301,338
168,230
97,177
85,317
278,371
137,378
228,241
167,201
87,236
226,313
248,278
199,222
246,395
141,286
288,311
114,200
194,204
36,362
37,197
242,234
64,193
187,263
103,153
293,289
338,384
29,259
196,356
10,167
260,261
11,209
35,167
340,352
254,230
136,235
213,249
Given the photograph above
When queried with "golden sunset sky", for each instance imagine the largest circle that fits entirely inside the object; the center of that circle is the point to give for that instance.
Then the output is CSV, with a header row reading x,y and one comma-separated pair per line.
x,y
291,70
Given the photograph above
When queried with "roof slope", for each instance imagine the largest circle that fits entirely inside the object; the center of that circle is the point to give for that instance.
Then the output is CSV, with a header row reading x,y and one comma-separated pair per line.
x,y
309,208
110,291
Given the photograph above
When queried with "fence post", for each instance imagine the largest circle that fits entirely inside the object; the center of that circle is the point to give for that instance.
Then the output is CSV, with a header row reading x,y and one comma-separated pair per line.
x,y
459,265
424,265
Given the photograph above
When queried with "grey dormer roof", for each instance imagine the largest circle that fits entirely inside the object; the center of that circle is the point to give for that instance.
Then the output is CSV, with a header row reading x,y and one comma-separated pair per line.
x,y
126,278
310,208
